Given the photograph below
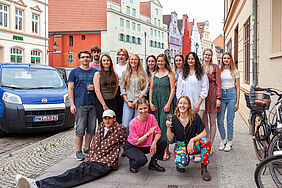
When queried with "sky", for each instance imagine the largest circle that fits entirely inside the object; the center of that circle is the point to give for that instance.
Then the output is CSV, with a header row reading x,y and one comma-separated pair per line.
x,y
211,10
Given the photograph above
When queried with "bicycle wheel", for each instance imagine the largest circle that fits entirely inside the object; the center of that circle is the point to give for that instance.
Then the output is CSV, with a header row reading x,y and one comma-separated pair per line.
x,y
268,174
275,144
258,133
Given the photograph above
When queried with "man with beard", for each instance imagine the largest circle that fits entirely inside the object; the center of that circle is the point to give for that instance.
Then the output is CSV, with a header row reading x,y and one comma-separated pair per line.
x,y
96,53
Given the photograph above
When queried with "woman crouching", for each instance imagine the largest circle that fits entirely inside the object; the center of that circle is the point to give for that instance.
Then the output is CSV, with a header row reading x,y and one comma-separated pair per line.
x,y
190,135
144,137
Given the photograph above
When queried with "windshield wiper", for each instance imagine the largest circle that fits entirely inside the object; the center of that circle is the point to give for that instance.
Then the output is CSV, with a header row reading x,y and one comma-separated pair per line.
x,y
42,88
12,87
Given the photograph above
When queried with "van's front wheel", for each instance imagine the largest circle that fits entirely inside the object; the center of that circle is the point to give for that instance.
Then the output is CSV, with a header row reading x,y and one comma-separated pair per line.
x,y
2,133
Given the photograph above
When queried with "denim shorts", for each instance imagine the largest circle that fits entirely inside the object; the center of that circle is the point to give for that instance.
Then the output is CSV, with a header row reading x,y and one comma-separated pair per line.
x,y
85,119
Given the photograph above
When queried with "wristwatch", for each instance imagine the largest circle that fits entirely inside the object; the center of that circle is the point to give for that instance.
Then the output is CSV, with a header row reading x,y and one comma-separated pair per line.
x,y
147,135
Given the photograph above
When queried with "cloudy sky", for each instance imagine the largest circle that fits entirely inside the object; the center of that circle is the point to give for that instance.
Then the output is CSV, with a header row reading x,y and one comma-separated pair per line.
x,y
211,10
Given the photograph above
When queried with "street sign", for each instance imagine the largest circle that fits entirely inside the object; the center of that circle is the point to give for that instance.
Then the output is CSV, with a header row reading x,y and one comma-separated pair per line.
x,y
70,52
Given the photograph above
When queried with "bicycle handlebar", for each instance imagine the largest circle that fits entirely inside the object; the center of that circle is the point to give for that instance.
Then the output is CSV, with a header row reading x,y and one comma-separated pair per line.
x,y
269,90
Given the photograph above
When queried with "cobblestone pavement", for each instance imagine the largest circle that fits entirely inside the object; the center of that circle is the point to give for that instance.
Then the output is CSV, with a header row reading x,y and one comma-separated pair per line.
x,y
15,142
33,160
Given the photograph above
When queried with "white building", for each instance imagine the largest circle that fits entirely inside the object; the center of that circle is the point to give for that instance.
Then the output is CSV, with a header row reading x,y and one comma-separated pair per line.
x,y
206,39
23,32
196,43
136,26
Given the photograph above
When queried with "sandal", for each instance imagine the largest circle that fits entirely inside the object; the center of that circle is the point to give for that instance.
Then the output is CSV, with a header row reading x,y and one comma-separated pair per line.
x,y
166,156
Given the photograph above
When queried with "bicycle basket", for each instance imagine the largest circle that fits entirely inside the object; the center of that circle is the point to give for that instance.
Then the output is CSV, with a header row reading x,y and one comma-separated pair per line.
x,y
258,96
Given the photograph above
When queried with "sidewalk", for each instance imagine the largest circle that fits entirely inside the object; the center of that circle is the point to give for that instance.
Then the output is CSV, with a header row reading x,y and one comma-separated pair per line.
x,y
228,169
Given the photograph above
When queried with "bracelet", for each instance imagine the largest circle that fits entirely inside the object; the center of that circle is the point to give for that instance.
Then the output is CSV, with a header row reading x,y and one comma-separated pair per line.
x,y
147,135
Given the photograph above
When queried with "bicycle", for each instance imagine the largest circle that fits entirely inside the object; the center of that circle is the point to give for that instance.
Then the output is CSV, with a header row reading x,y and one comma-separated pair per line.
x,y
261,128
270,166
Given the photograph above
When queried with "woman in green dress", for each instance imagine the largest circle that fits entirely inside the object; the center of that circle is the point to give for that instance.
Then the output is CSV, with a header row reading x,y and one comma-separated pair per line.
x,y
162,88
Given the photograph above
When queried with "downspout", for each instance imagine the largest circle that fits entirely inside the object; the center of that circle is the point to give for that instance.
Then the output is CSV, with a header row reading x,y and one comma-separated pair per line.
x,y
45,46
223,27
254,54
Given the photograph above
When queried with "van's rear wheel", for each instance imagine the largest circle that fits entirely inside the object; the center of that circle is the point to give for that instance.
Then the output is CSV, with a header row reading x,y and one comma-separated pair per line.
x,y
2,133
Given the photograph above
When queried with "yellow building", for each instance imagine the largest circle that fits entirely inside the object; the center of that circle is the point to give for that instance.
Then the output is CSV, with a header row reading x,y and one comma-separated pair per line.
x,y
240,18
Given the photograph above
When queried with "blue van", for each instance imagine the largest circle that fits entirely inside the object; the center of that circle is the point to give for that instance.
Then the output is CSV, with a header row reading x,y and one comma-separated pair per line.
x,y
33,99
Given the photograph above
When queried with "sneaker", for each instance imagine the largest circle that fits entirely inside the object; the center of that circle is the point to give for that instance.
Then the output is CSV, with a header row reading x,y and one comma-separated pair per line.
x,y
24,182
228,146
222,145
79,156
211,151
197,159
86,151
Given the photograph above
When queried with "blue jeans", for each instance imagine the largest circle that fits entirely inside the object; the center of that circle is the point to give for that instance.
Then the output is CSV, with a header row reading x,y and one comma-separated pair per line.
x,y
127,115
228,100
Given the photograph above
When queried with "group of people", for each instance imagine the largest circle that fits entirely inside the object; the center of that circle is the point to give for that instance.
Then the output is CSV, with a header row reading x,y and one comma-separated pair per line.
x,y
146,110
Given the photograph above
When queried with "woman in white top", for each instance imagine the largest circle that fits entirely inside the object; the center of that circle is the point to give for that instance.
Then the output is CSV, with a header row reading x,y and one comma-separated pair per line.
x,y
230,84
119,69
193,82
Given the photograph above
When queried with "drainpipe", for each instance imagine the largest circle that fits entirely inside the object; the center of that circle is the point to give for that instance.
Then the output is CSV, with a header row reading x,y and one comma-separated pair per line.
x,y
254,49
223,27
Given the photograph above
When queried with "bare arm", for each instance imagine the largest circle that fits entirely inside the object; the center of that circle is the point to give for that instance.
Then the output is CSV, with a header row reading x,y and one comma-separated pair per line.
x,y
70,95
172,90
96,81
117,84
237,86
169,134
151,93
145,136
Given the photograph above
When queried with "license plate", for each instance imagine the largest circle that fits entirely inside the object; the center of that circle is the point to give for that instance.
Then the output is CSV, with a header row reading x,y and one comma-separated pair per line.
x,y
45,118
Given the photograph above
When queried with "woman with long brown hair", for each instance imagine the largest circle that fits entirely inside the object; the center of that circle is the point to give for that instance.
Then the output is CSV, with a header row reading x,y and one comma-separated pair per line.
x,y
106,85
230,84
189,131
162,87
212,101
134,85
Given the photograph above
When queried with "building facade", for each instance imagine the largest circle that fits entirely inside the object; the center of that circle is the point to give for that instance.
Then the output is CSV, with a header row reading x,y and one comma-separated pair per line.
x,y
205,36
196,42
23,32
131,24
239,37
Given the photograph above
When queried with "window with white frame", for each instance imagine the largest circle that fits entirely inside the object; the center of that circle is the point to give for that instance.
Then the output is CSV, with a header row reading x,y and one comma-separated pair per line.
x,y
133,25
19,20
151,31
133,12
159,23
121,21
35,57
128,10
155,33
35,23
162,34
16,55
157,11
128,24
155,21
159,33
138,27
3,16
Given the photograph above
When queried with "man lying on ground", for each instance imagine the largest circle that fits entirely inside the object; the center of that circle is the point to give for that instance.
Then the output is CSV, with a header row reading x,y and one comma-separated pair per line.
x,y
101,159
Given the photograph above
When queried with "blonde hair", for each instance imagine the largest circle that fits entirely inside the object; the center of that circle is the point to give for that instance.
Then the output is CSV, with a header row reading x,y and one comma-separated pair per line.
x,y
232,66
207,67
141,74
190,112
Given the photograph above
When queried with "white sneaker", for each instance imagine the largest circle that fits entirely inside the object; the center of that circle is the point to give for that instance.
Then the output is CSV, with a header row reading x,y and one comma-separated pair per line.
x,y
228,146
222,145
24,182
197,159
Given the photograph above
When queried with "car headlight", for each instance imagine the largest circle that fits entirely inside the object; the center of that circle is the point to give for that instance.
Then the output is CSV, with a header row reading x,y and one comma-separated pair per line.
x,y
66,98
12,98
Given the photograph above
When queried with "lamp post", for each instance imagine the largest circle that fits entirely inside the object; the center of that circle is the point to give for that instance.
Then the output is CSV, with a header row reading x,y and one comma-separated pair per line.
x,y
55,47
145,34
197,46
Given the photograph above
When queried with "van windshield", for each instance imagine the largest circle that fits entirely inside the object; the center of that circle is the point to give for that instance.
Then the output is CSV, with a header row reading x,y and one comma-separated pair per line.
x,y
31,78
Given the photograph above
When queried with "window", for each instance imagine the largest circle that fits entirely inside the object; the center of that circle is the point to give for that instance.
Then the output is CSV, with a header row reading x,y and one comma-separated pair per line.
x,y
157,11
138,40
131,1
3,16
155,44
133,25
159,45
229,46
133,40
151,43
155,33
128,10
127,38
133,12
151,31
247,52
35,56
276,28
121,21
138,27
159,23
82,37
155,21
128,24
16,55
19,19
159,33
35,23
70,40
162,45
162,34
121,37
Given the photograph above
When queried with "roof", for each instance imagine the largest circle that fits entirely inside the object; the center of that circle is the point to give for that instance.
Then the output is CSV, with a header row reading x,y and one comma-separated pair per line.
x,y
201,26
25,65
70,16
218,41
167,19
144,9
179,25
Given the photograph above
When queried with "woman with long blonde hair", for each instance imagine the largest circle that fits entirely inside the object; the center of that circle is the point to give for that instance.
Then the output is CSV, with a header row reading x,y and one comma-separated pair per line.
x,y
134,85
189,132
230,84
212,101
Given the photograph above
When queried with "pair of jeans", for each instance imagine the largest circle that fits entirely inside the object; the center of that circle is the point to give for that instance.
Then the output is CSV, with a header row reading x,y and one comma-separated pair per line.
x,y
181,156
127,115
83,173
228,101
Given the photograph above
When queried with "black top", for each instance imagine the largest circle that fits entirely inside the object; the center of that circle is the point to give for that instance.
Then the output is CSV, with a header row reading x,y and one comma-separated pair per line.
x,y
188,132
